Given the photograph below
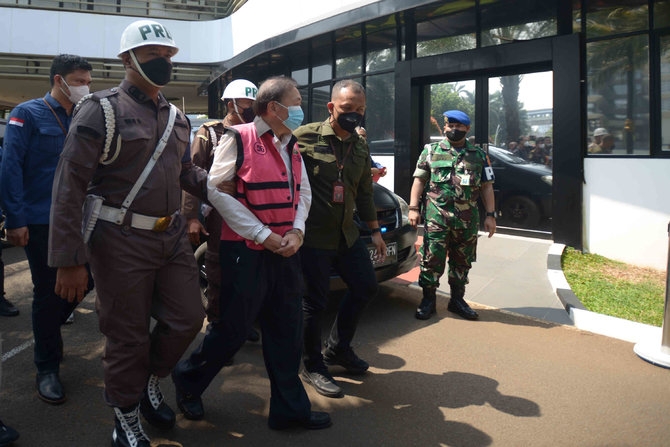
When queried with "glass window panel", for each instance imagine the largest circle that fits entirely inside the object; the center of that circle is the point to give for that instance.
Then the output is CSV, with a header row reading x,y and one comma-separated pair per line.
x,y
445,28
665,93
662,14
381,43
618,95
379,114
521,106
520,121
348,52
511,20
304,94
298,56
607,17
320,97
322,58
450,96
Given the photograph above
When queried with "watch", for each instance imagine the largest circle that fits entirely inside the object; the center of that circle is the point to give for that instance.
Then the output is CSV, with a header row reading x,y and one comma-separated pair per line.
x,y
375,230
491,214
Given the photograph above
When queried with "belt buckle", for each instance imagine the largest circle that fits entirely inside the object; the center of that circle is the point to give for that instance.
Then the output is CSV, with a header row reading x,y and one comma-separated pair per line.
x,y
162,224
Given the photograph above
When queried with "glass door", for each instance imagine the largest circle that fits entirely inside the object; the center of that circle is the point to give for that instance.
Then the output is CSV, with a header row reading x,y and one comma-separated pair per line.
x,y
520,147
514,125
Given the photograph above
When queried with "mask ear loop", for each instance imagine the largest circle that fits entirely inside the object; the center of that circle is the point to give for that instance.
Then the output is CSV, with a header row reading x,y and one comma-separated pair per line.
x,y
140,71
68,87
237,112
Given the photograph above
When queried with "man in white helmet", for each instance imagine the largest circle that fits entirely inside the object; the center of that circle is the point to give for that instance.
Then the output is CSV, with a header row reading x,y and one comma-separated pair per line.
x,y
137,249
239,97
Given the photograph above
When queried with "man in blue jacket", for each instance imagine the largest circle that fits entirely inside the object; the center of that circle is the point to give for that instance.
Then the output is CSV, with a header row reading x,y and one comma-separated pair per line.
x,y
33,142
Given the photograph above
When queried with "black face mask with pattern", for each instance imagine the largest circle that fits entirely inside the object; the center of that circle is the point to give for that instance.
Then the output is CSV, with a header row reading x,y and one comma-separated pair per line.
x,y
348,121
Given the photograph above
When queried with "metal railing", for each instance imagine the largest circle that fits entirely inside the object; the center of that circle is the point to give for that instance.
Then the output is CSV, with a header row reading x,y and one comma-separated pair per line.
x,y
168,9
39,67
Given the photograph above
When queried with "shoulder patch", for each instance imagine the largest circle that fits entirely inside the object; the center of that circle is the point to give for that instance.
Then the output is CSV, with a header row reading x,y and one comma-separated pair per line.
x,y
212,123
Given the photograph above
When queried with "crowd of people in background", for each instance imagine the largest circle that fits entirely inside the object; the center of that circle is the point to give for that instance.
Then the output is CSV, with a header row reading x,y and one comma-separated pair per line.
x,y
533,149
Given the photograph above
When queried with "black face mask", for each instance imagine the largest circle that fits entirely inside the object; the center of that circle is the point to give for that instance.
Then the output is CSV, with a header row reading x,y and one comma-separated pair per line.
x,y
247,114
348,121
158,70
455,135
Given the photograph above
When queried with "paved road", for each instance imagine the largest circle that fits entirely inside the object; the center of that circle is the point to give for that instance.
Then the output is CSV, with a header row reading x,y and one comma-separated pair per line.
x,y
505,380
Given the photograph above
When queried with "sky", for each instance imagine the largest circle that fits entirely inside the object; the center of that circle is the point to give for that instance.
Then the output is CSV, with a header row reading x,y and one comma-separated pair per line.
x,y
535,91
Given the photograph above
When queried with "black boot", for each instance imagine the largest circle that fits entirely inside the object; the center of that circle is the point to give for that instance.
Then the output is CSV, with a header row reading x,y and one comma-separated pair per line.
x,y
128,430
427,306
458,305
153,406
7,435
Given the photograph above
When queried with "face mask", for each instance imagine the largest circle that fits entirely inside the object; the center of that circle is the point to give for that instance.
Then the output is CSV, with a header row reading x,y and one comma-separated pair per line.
x,y
295,117
156,72
247,114
456,135
76,93
349,121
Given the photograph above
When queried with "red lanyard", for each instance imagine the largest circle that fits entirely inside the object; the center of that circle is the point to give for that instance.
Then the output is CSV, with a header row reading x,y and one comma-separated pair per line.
x,y
340,167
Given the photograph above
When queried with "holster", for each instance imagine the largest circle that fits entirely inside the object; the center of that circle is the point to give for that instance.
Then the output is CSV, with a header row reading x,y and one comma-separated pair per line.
x,y
89,215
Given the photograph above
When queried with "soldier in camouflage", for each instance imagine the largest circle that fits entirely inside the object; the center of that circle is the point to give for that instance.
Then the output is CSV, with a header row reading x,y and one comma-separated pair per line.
x,y
457,173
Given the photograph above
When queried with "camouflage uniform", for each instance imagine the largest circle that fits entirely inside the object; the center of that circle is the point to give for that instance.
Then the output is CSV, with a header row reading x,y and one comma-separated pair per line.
x,y
455,177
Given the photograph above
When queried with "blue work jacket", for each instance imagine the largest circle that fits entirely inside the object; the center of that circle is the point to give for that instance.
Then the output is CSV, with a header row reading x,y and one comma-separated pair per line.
x,y
33,142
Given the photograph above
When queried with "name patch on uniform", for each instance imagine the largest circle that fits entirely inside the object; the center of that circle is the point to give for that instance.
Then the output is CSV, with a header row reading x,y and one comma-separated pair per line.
x,y
16,122
259,148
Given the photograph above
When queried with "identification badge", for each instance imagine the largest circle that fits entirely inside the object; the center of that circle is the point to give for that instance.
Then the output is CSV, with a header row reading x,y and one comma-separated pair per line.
x,y
338,191
465,180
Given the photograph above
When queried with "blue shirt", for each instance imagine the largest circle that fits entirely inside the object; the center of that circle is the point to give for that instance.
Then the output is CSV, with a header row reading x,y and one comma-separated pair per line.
x,y
33,142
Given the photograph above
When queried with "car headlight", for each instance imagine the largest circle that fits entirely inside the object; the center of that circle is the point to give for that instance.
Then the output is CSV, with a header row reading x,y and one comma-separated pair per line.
x,y
548,179
404,210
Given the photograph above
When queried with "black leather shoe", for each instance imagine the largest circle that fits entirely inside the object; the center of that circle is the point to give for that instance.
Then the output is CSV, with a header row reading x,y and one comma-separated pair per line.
x,y
316,421
153,406
427,306
7,309
253,336
460,307
49,388
190,405
7,435
323,383
346,358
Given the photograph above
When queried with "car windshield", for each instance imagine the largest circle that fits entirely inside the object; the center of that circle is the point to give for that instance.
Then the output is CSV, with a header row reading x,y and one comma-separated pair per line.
x,y
507,156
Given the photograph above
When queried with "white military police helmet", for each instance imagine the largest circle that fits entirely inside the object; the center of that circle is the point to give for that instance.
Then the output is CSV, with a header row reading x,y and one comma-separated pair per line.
x,y
240,89
145,32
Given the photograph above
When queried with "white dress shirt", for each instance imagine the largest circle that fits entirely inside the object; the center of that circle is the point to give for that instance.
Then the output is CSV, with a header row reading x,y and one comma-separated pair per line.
x,y
238,217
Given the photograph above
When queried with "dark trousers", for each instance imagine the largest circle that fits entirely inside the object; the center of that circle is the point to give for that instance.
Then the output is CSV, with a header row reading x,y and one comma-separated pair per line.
x,y
355,268
2,274
49,310
255,283
142,274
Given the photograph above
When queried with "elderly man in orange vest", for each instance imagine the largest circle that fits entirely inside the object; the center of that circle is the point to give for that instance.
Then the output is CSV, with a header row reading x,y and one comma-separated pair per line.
x,y
261,273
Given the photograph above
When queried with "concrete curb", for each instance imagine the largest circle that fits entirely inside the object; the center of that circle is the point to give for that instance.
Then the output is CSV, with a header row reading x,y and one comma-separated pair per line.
x,y
591,321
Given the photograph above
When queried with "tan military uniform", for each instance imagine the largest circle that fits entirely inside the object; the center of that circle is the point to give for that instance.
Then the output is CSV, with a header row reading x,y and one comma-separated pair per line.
x,y
138,273
202,154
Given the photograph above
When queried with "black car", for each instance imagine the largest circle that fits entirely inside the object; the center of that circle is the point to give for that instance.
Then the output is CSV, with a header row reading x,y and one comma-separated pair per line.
x,y
522,190
399,235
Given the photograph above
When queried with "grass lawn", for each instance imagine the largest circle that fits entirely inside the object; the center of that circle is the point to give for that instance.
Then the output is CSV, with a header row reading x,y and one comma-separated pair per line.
x,y
615,288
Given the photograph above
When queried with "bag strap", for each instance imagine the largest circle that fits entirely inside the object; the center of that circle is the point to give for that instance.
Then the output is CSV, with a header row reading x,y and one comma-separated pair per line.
x,y
150,165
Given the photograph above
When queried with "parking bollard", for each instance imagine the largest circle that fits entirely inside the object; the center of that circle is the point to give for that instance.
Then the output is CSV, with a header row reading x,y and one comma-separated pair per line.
x,y
659,355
